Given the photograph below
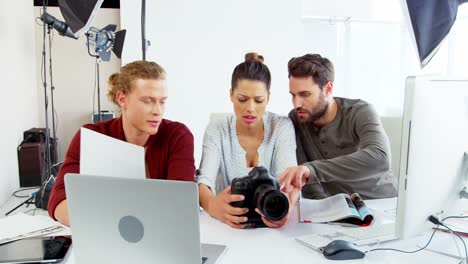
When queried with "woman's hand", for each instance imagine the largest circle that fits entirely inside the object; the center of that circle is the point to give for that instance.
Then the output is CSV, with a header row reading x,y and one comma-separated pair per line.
x,y
293,196
273,224
220,207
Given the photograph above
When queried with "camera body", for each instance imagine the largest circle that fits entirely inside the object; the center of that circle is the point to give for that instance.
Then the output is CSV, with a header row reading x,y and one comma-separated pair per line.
x,y
261,191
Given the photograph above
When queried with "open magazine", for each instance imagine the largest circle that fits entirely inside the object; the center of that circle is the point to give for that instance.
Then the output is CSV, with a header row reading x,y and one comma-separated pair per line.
x,y
340,208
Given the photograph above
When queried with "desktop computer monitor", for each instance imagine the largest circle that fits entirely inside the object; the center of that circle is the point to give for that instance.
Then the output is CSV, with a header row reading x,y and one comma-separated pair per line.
x,y
434,140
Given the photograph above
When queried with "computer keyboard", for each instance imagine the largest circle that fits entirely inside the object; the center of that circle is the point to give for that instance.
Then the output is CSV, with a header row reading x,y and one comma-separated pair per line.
x,y
358,235
371,232
314,241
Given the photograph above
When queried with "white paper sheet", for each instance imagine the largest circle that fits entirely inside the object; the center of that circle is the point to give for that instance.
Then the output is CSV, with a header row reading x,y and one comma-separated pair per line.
x,y
102,155
21,226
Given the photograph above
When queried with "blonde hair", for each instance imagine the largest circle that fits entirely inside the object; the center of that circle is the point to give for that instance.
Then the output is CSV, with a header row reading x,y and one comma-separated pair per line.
x,y
122,81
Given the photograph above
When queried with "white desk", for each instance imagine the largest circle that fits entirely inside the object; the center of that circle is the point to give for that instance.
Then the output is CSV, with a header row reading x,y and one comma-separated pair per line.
x,y
265,245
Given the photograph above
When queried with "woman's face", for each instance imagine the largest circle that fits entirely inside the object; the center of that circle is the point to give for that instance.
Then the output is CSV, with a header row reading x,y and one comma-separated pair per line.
x,y
144,107
250,99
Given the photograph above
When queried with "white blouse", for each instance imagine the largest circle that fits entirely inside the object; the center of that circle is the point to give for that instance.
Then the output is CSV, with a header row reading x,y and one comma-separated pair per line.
x,y
224,159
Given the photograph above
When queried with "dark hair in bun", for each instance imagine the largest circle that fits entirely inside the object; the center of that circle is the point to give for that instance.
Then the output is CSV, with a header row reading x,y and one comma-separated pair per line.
x,y
251,69
252,56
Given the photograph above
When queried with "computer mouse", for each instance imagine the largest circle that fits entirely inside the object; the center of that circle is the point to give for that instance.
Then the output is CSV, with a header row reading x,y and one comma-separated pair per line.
x,y
342,250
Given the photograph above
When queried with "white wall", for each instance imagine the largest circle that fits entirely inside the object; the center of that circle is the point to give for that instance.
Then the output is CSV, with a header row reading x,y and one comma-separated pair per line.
x,y
73,77
200,42
19,104
357,9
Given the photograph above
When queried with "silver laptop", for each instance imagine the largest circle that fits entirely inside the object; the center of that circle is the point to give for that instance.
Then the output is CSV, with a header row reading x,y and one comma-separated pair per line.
x,y
119,220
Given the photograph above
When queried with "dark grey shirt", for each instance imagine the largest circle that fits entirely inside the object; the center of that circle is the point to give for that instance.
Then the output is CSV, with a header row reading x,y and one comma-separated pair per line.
x,y
350,154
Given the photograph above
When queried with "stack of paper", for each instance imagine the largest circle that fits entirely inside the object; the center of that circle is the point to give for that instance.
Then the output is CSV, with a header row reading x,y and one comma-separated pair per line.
x,y
21,226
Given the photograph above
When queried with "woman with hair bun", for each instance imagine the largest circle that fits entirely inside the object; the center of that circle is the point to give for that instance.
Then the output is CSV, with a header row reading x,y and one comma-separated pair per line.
x,y
250,137
140,91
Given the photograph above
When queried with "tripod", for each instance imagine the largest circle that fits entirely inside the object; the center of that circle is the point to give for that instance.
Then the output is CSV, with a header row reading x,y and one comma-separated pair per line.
x,y
27,202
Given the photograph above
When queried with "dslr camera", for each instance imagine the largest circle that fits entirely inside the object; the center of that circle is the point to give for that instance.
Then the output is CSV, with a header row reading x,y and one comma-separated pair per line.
x,y
261,191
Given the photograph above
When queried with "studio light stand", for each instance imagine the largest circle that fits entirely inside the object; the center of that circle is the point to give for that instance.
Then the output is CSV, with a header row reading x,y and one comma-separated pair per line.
x,y
78,16
46,27
97,77
49,22
144,42
104,41
52,158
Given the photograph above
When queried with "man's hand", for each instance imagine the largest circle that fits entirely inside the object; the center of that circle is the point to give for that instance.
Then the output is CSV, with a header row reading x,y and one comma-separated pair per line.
x,y
220,208
294,177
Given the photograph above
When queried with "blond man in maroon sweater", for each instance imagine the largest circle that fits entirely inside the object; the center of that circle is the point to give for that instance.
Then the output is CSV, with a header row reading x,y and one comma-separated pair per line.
x,y
139,89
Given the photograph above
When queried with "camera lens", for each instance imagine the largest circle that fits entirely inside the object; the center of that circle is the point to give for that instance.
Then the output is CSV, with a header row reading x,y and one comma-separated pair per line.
x,y
273,204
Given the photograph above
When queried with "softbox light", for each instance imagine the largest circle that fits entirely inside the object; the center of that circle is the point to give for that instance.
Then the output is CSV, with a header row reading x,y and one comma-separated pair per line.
x,y
431,21
79,15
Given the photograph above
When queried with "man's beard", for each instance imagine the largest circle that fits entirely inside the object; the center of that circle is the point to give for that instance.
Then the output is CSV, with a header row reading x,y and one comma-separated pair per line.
x,y
317,113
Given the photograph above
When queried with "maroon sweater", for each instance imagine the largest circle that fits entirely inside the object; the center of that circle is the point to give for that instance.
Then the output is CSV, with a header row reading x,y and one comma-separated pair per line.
x,y
169,155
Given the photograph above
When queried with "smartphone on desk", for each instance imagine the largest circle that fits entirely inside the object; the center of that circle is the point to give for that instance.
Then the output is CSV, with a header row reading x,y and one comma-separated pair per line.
x,y
35,250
